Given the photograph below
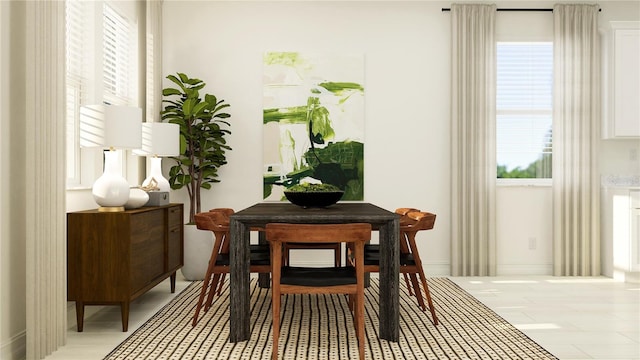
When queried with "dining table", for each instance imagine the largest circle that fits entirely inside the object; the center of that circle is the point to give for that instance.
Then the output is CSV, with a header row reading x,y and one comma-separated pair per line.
x,y
385,222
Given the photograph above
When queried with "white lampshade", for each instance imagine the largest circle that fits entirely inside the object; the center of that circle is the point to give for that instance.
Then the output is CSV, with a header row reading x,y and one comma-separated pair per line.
x,y
113,127
159,139
110,126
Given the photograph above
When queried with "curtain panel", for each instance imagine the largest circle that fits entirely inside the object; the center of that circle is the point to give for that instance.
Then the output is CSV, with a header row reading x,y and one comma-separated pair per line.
x,y
473,159
45,220
576,134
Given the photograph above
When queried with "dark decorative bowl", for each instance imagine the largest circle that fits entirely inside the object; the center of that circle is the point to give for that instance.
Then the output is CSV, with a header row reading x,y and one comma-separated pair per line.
x,y
313,198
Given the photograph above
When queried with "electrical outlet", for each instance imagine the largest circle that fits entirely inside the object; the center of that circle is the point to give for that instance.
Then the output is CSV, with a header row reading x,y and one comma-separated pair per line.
x,y
533,243
633,155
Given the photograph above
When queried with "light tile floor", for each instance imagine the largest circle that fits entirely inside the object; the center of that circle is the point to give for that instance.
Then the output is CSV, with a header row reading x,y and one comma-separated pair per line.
x,y
572,317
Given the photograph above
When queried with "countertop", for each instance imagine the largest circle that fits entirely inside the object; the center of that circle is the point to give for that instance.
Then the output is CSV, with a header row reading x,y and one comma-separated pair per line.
x,y
621,181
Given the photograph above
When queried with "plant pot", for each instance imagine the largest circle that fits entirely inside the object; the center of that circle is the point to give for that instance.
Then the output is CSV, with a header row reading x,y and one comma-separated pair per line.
x,y
197,251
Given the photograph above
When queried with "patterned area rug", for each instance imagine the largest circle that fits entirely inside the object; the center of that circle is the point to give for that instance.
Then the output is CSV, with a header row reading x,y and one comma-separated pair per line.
x,y
321,327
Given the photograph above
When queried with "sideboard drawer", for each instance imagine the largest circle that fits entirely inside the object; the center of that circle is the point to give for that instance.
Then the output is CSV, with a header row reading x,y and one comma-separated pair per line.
x,y
175,216
147,248
175,239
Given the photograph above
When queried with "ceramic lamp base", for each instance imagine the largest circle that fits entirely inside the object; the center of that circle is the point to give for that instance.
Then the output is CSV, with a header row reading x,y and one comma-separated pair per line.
x,y
111,189
155,174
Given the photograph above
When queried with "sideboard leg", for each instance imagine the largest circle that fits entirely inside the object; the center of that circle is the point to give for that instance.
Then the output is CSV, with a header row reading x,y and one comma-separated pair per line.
x,y
80,315
124,309
172,280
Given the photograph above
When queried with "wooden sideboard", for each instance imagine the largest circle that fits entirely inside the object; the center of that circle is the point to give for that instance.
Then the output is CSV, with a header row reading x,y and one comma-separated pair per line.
x,y
114,257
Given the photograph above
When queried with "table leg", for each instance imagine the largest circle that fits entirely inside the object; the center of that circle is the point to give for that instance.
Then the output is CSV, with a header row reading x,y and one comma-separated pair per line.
x,y
389,281
239,282
264,280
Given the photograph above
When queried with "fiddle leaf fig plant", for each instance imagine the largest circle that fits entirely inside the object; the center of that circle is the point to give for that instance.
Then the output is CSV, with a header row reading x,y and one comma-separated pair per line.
x,y
203,128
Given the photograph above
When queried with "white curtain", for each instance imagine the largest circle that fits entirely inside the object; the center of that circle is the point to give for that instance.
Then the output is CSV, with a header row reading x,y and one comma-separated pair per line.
x,y
46,253
473,159
576,134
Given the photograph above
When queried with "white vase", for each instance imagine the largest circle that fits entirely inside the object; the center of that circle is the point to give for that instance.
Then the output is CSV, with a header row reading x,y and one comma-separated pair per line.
x,y
137,198
155,173
111,189
197,251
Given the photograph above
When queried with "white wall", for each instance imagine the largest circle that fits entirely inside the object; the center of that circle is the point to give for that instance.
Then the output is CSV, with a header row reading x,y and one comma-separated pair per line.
x,y
406,47
407,67
620,157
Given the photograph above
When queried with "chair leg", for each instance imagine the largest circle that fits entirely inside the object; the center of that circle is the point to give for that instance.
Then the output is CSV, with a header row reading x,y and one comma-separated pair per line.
x,y
275,309
359,321
221,284
285,256
416,290
207,305
203,291
215,283
351,302
423,278
428,295
409,287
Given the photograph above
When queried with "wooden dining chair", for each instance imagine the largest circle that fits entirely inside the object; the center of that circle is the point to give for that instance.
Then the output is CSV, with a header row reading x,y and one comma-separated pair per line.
x,y
257,249
318,280
217,221
411,222
375,248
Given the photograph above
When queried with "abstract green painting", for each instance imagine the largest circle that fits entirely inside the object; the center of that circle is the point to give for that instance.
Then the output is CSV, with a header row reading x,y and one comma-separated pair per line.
x,y
313,119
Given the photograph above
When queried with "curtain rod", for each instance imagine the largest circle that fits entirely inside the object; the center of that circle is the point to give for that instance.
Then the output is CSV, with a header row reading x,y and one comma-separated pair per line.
x,y
516,9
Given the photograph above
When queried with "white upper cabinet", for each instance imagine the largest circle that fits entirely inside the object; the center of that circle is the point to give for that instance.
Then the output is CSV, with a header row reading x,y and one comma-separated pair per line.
x,y
622,81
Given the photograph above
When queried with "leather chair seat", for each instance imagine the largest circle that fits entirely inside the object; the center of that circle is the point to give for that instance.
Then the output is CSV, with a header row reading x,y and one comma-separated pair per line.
x,y
255,258
309,276
373,258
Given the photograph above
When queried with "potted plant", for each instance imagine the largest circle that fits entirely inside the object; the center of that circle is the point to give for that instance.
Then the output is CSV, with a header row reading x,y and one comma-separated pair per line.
x,y
202,137
307,194
203,128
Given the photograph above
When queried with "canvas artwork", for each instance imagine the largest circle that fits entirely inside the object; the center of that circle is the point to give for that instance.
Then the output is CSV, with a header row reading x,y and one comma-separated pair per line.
x,y
313,119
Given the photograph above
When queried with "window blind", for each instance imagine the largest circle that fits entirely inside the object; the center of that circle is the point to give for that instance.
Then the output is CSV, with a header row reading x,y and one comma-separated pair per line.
x,y
116,52
76,84
524,108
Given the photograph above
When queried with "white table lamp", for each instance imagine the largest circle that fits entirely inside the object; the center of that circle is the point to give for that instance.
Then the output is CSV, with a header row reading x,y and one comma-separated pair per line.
x,y
113,127
158,140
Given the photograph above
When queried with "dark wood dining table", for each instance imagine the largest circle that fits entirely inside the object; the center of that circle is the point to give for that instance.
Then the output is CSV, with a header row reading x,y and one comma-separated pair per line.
x,y
260,214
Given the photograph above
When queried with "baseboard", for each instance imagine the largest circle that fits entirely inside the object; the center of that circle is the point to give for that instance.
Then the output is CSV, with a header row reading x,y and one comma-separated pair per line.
x,y
632,277
530,269
15,348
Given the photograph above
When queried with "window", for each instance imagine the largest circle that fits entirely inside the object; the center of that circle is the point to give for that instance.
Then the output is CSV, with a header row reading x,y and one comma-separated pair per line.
x,y
76,84
524,109
116,52
102,64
